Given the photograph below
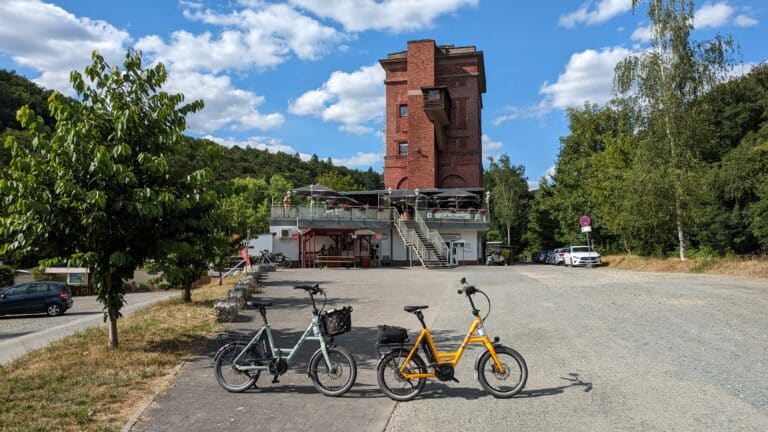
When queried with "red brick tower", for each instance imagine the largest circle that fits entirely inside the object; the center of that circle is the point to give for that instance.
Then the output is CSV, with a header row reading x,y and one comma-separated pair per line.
x,y
434,99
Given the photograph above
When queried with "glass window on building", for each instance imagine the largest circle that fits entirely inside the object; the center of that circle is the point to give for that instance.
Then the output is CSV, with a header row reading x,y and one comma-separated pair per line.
x,y
403,150
403,110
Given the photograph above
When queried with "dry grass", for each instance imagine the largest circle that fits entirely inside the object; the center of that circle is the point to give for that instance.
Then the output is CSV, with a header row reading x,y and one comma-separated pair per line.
x,y
79,384
756,267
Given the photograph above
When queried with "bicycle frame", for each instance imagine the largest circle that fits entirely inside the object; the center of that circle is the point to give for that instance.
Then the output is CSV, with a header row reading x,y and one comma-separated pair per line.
x,y
287,353
425,340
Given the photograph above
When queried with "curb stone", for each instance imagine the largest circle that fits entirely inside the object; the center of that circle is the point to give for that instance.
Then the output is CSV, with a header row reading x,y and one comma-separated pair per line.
x,y
148,401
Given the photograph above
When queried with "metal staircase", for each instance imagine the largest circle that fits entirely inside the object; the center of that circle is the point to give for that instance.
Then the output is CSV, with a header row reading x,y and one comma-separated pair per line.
x,y
426,244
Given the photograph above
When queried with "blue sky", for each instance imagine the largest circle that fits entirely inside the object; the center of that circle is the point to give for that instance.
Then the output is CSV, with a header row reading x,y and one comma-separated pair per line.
x,y
302,75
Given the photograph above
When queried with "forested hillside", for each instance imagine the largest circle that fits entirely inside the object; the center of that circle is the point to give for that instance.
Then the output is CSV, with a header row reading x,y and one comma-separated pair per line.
x,y
612,167
236,162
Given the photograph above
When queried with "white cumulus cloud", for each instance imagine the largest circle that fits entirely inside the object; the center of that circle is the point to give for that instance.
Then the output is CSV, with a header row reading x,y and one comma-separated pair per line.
x,y
353,99
641,34
358,160
603,11
588,76
712,15
264,36
54,42
745,21
270,144
490,146
392,15
225,105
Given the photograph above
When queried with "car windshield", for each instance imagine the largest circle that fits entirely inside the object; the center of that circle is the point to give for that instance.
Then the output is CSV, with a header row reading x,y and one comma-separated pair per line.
x,y
582,249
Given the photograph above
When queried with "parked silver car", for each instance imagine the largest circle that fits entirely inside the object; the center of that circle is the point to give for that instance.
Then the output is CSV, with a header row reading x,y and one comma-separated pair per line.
x,y
557,257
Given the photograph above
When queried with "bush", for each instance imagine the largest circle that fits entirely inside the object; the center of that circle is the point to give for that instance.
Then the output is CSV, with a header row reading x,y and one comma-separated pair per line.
x,y
6,275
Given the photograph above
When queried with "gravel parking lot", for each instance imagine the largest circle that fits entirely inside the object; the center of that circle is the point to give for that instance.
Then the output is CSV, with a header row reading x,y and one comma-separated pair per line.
x,y
606,350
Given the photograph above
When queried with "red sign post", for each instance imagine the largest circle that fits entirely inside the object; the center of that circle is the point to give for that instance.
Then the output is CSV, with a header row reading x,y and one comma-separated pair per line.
x,y
584,221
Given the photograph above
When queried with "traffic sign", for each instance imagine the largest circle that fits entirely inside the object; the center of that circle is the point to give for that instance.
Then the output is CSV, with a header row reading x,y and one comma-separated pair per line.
x,y
584,221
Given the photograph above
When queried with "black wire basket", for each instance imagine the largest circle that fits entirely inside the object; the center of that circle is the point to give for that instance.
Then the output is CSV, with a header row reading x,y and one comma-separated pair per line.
x,y
337,321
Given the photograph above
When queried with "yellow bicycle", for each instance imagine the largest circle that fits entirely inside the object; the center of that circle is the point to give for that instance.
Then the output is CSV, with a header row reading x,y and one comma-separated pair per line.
x,y
402,373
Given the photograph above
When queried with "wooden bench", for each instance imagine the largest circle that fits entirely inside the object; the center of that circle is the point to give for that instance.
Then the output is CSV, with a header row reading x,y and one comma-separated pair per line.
x,y
331,260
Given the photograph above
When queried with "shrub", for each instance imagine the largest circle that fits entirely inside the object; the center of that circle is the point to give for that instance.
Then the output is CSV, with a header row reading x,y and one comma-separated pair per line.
x,y
6,275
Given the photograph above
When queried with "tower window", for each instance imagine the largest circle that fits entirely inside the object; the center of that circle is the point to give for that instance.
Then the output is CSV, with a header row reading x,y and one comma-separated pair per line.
x,y
403,110
403,148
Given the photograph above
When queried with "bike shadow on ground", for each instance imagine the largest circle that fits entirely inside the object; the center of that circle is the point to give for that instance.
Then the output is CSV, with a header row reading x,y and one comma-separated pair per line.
x,y
574,379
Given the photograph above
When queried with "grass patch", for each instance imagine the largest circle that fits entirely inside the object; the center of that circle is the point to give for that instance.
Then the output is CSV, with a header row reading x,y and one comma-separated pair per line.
x,y
744,266
79,384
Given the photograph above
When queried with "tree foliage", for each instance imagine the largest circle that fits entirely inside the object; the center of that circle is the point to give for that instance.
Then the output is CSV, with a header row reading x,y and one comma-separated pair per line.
x,y
97,189
509,198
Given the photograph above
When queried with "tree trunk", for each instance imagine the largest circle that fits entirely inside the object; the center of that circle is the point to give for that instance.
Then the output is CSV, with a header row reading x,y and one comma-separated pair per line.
x,y
221,277
186,294
509,234
680,234
675,168
112,314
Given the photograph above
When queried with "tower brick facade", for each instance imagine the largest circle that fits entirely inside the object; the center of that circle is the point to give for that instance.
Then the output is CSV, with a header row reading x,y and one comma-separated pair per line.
x,y
434,103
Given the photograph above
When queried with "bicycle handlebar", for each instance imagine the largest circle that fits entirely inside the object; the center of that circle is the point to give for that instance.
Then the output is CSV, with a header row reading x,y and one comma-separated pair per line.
x,y
311,289
468,289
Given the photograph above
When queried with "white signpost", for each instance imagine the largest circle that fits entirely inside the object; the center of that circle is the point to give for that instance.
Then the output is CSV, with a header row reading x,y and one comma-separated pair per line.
x,y
586,228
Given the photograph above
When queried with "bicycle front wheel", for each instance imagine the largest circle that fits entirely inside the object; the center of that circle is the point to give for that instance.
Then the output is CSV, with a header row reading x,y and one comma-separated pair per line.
x,y
392,382
229,378
507,383
339,378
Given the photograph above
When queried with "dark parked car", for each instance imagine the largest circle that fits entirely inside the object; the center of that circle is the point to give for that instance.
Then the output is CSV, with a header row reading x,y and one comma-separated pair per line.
x,y
53,298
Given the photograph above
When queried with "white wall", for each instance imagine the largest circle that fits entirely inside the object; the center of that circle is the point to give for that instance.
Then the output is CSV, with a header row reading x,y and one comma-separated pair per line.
x,y
288,247
259,243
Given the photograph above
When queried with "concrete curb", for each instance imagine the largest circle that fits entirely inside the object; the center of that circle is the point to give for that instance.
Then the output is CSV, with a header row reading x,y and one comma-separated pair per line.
x,y
148,401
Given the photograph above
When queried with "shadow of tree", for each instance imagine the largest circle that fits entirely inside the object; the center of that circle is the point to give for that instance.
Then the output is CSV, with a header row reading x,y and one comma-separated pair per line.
x,y
573,378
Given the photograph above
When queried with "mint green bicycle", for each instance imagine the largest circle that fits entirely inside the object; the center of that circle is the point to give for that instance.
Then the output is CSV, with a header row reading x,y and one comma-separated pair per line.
x,y
332,369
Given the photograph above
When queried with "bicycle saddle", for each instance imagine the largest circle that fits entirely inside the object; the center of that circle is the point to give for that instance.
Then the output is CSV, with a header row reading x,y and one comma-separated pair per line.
x,y
414,308
257,304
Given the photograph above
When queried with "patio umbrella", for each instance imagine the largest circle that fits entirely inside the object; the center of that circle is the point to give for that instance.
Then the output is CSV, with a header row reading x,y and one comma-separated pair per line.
x,y
456,196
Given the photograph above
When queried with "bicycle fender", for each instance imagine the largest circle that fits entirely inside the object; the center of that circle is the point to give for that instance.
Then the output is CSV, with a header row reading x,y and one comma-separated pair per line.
x,y
477,360
319,352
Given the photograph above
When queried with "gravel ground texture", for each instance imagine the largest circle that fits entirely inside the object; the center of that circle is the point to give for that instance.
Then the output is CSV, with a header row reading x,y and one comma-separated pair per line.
x,y
606,350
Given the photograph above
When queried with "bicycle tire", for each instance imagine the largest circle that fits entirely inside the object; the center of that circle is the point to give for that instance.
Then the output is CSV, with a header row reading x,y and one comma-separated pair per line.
x,y
225,363
318,370
487,368
390,365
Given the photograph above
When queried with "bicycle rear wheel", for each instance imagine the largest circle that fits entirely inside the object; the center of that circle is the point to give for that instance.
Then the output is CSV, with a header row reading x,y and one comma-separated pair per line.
x,y
339,378
229,378
392,382
502,384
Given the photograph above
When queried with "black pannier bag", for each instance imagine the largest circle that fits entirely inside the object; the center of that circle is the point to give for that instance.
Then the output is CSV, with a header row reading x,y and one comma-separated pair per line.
x,y
337,321
391,334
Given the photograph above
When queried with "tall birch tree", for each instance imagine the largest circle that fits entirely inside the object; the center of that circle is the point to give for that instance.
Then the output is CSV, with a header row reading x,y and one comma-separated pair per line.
x,y
661,82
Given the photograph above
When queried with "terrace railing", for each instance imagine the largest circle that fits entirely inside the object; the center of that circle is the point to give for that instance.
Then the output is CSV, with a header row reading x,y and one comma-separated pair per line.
x,y
341,213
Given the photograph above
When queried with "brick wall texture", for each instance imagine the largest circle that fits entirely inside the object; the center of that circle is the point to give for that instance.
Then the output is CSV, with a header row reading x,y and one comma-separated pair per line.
x,y
459,163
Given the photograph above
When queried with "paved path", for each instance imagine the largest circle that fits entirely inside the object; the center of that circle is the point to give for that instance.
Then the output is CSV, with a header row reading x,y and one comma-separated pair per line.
x,y
606,349
22,333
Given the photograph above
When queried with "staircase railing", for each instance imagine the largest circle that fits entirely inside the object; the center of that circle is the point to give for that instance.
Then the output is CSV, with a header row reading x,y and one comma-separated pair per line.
x,y
409,236
433,235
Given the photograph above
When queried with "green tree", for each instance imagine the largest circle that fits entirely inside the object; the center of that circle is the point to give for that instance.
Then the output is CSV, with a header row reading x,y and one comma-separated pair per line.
x,y
96,190
509,197
660,84
338,182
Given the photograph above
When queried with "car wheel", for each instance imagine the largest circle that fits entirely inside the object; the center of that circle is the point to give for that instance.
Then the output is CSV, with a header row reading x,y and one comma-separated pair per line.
x,y
54,309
